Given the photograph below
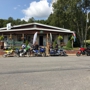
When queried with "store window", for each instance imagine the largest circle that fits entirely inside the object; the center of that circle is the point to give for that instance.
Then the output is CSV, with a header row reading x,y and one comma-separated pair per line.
x,y
5,38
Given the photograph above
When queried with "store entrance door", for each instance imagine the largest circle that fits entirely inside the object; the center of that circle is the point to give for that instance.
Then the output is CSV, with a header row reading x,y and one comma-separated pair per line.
x,y
41,40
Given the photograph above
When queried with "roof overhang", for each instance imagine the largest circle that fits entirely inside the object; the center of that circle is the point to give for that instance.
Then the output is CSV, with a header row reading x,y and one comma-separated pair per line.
x,y
4,28
39,29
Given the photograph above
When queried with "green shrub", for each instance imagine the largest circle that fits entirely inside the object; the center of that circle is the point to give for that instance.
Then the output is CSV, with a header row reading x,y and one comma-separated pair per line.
x,y
87,43
69,44
54,43
26,42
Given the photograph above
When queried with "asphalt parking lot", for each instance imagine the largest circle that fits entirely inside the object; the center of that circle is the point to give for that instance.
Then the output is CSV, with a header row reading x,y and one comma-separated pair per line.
x,y
45,73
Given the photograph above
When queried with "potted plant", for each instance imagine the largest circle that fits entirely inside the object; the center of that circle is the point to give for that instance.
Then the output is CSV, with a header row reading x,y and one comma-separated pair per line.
x,y
60,38
1,38
22,38
10,37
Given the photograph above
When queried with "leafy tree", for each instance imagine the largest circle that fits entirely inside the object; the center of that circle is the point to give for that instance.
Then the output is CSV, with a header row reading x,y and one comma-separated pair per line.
x,y
1,23
10,20
51,20
23,22
72,15
31,20
17,21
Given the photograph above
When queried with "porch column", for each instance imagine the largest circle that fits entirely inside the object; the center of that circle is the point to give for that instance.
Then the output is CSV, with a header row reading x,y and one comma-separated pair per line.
x,y
10,39
10,36
47,47
23,37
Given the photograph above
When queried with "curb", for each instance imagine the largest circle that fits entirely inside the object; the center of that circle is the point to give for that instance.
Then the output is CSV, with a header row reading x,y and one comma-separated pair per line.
x,y
0,55
67,54
71,54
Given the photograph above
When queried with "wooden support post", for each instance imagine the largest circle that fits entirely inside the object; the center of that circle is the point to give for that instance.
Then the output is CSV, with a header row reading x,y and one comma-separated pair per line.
x,y
10,36
47,47
22,37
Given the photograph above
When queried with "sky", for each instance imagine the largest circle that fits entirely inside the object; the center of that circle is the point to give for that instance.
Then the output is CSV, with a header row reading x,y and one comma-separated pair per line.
x,y
25,9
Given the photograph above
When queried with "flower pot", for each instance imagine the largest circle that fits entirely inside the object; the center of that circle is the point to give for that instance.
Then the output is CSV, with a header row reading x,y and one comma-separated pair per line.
x,y
22,38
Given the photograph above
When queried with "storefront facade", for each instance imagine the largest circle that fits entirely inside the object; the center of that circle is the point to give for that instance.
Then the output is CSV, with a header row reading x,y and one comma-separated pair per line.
x,y
18,34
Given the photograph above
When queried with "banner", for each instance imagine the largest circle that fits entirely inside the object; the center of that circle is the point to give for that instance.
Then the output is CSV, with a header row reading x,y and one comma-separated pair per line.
x,y
8,26
35,37
74,35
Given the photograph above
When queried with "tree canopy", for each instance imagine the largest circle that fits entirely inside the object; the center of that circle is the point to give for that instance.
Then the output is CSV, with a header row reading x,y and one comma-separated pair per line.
x,y
71,14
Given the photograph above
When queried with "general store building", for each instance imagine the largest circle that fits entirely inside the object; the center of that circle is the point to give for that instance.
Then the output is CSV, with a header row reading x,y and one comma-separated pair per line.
x,y
16,35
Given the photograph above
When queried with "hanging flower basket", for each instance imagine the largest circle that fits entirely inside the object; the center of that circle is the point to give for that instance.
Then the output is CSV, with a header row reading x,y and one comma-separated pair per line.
x,y
1,38
60,37
72,38
10,38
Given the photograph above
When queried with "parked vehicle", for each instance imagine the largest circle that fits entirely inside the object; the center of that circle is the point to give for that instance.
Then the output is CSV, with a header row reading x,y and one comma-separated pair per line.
x,y
40,52
9,53
59,52
22,52
83,51
88,51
